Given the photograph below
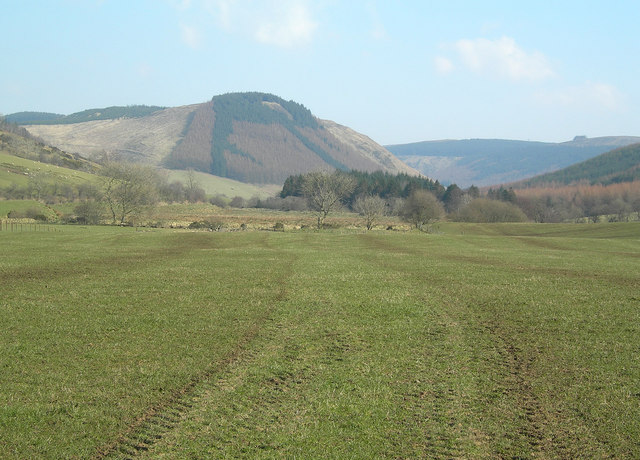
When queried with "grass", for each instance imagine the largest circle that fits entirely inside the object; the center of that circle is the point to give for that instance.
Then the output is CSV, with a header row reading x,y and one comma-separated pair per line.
x,y
215,185
20,206
16,170
488,341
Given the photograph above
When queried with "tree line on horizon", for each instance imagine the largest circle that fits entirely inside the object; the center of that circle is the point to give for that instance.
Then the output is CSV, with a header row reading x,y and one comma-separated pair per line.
x,y
616,202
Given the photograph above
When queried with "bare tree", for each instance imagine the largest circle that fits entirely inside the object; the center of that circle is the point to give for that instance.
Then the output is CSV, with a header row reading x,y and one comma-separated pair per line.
x,y
195,193
325,191
421,208
38,182
128,189
370,207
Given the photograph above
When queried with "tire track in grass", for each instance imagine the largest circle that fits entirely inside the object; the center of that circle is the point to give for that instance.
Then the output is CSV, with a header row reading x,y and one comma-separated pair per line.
x,y
430,398
516,376
541,430
160,419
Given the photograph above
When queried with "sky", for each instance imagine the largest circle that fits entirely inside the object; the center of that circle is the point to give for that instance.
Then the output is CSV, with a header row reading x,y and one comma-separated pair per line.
x,y
397,71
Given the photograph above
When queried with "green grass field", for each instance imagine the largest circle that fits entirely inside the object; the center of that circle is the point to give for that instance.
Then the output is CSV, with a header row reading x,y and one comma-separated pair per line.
x,y
481,341
216,185
16,170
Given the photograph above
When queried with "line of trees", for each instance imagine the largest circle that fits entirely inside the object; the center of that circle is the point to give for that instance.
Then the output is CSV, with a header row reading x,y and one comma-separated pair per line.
x,y
558,203
124,191
421,201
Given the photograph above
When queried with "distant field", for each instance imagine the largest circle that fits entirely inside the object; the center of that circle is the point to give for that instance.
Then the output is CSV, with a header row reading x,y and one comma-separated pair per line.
x,y
214,185
481,341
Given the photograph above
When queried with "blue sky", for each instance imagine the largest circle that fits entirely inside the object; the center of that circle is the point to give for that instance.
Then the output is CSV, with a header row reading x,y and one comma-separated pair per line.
x,y
397,71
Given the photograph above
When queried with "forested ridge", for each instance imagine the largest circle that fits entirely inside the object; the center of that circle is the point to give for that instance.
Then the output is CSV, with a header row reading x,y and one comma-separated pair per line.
x,y
107,113
259,138
619,165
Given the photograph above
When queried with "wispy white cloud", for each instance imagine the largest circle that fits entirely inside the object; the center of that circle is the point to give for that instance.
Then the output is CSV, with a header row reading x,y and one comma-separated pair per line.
x,y
588,96
181,4
501,58
222,11
378,31
283,23
190,35
292,25
443,65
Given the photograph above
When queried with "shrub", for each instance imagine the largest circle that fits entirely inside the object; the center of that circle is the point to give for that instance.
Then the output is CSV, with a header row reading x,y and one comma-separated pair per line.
x,y
486,211
31,213
88,212
205,224
237,202
290,203
220,201
421,209
278,227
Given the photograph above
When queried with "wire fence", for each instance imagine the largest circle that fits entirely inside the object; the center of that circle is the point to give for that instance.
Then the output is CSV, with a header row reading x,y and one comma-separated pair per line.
x,y
9,225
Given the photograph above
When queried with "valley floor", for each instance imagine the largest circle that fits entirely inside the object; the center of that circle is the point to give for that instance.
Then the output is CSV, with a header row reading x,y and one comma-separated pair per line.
x,y
481,341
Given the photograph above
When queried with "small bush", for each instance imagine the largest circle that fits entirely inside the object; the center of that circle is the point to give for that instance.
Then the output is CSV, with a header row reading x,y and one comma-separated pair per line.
x,y
15,214
206,225
220,201
89,212
278,227
237,202
31,213
482,210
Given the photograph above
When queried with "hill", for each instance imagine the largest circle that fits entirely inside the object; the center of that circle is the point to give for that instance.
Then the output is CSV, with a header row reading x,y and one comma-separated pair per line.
x,y
249,137
108,113
494,161
17,141
616,166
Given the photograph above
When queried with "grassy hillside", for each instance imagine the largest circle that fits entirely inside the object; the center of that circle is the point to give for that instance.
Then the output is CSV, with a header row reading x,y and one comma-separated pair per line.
x,y
620,165
22,207
490,342
215,185
19,171
494,161
21,144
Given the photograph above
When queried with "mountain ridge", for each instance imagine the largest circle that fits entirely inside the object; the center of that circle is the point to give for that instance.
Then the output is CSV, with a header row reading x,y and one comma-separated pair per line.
x,y
250,137
613,167
485,162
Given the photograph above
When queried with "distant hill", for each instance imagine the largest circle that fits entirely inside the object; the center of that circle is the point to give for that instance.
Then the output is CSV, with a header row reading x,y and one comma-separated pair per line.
x,y
16,141
616,166
495,161
27,118
25,160
249,137
108,113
